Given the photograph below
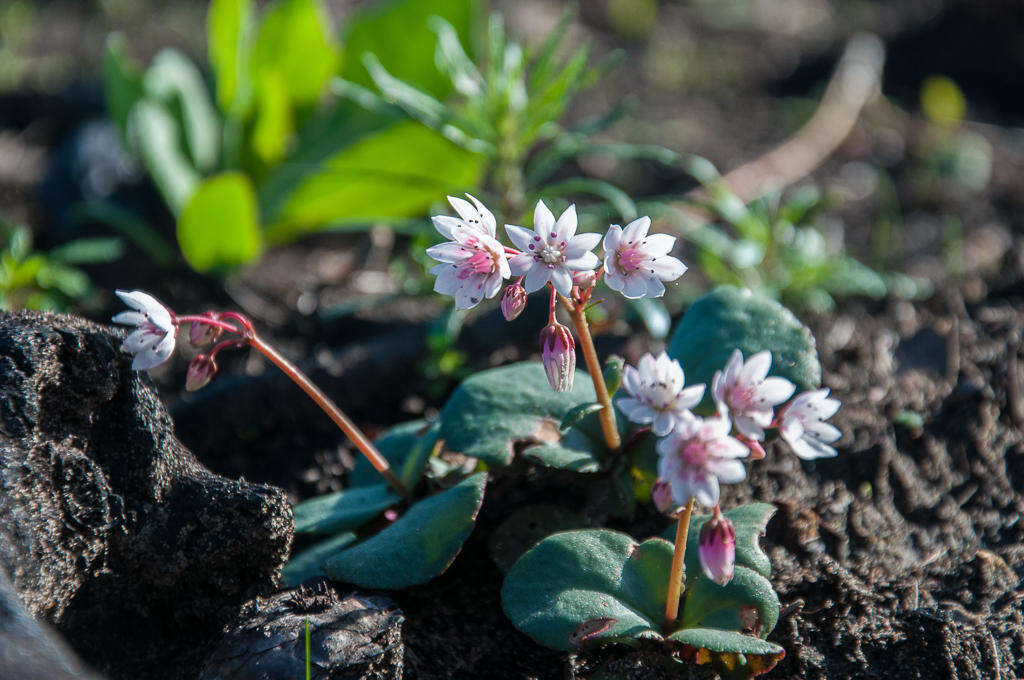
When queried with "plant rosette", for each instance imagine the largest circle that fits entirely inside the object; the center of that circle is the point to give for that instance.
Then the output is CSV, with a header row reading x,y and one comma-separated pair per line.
x,y
575,589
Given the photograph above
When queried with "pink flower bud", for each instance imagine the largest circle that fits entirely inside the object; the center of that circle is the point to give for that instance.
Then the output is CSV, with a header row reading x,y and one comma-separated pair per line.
x,y
200,371
718,548
201,334
558,353
513,301
661,494
584,279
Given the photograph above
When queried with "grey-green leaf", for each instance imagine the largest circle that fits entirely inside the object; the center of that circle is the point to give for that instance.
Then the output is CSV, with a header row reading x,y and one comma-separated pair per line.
x,y
731,318
406,446
343,510
309,562
749,521
418,546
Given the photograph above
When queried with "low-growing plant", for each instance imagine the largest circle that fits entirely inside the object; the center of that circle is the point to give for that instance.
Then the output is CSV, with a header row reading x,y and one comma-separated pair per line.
x,y
644,433
49,280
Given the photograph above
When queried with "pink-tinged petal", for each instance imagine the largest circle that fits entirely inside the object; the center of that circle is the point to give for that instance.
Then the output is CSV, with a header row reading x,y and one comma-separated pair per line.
x,y
449,252
139,341
636,231
468,296
543,220
732,368
612,239
747,427
756,368
444,225
448,281
706,489
504,269
631,380
561,279
566,225
521,238
129,318
791,429
636,287
728,470
826,408
659,244
486,216
667,268
647,365
521,263
775,391
466,211
580,244
583,262
492,284
536,277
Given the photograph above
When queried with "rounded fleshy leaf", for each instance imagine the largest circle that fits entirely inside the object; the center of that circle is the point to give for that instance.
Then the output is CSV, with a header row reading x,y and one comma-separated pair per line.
x,y
731,318
733,655
749,521
418,546
581,586
497,412
343,510
746,603
309,563
406,446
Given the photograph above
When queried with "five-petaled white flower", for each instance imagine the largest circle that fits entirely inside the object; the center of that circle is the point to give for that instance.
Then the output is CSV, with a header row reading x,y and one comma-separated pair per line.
x,y
802,426
697,457
746,393
552,251
637,264
152,341
657,394
473,261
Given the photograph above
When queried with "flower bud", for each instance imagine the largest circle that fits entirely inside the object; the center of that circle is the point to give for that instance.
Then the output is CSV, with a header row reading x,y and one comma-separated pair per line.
x,y
200,371
201,334
513,301
584,279
558,354
718,548
661,494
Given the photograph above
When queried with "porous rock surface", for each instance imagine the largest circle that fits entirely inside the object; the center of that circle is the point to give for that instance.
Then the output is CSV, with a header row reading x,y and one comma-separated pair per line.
x,y
110,529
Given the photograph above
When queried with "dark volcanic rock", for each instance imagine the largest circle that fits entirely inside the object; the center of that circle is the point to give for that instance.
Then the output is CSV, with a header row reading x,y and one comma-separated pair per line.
x,y
109,527
351,637
28,650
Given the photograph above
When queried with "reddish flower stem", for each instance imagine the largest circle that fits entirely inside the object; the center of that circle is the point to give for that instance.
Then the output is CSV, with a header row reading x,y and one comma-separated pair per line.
x,y
209,321
677,574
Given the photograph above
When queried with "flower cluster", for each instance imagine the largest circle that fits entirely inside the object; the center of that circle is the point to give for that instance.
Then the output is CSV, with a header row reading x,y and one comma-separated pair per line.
x,y
474,264
696,455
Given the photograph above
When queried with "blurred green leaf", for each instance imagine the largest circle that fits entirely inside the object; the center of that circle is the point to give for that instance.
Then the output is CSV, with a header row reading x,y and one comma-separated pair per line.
x,y
654,315
274,124
397,173
156,135
143,236
122,83
88,251
229,31
396,33
295,40
175,80
219,228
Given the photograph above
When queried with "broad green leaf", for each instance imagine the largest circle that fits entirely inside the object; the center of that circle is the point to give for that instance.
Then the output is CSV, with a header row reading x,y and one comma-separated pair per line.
x,y
717,640
295,39
418,546
309,562
746,603
730,318
397,33
578,413
749,520
156,136
575,577
274,125
229,29
396,173
219,228
343,510
175,80
406,447
495,411
122,83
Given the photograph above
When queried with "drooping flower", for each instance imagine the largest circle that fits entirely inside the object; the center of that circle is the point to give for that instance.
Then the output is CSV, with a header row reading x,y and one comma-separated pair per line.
x,y
697,457
152,341
717,548
513,301
473,261
202,334
558,354
657,395
802,424
201,370
584,279
637,264
552,251
747,394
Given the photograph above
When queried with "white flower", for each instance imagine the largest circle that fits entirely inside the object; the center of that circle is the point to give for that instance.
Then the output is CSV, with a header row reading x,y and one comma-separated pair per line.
x,y
552,251
697,457
152,341
747,394
637,265
473,262
657,394
802,426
